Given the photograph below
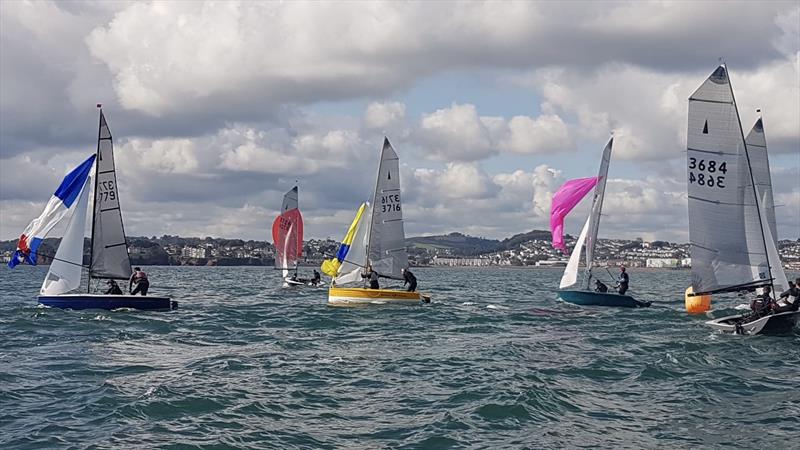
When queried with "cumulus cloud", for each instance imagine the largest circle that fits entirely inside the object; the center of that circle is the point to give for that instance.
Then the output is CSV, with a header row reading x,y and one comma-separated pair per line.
x,y
458,133
646,110
382,116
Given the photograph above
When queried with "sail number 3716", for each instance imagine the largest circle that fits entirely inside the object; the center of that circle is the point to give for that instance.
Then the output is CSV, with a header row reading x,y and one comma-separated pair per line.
x,y
705,172
390,203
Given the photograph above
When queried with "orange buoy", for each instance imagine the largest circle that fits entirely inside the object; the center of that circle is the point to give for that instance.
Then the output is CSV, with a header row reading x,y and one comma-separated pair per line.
x,y
696,304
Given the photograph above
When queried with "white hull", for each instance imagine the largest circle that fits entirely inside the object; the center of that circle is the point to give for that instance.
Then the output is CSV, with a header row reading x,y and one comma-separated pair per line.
x,y
288,282
781,322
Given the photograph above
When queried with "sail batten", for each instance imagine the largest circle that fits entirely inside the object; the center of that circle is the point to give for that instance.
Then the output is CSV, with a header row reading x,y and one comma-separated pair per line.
x,y
109,254
725,229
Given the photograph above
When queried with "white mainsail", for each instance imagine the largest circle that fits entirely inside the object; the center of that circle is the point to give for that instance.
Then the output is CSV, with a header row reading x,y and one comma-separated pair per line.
x,y
64,274
597,206
570,276
109,247
387,246
725,229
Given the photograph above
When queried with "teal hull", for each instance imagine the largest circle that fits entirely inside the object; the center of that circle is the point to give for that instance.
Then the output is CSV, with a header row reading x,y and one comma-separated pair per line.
x,y
589,298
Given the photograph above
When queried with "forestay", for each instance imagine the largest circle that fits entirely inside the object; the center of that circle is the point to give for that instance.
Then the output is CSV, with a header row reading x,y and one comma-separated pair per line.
x,y
64,274
724,224
109,247
597,205
387,249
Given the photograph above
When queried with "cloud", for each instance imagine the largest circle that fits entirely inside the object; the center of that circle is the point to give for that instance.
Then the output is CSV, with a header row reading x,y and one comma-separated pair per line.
x,y
646,110
382,116
458,133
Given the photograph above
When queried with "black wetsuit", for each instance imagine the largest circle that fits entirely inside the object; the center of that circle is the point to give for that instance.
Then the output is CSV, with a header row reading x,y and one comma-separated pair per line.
x,y
142,284
114,290
600,286
410,280
623,283
790,306
316,279
373,279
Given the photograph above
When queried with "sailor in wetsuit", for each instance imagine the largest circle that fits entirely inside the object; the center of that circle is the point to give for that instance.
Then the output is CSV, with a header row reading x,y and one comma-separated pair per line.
x,y
763,303
792,298
373,278
622,281
410,280
113,288
316,279
599,286
139,278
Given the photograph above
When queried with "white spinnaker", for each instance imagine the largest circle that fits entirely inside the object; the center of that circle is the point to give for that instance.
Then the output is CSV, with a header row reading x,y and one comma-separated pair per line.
x,y
597,205
570,276
724,224
353,265
387,240
65,270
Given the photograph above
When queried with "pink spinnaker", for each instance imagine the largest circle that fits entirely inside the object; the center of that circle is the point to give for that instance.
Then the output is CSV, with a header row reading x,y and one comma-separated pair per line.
x,y
567,196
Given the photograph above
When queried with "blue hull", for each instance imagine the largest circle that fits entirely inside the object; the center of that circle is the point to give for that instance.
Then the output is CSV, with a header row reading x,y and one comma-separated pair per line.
x,y
95,301
589,298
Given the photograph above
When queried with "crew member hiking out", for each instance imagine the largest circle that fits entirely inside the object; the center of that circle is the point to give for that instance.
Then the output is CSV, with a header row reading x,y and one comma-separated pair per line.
x,y
622,281
410,280
139,278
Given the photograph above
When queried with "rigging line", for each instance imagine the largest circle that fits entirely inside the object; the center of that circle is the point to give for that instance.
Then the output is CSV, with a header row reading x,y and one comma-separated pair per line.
x,y
61,260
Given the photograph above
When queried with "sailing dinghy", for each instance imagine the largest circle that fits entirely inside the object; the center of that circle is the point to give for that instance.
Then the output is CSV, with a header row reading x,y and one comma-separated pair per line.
x,y
732,245
376,239
109,258
287,235
563,201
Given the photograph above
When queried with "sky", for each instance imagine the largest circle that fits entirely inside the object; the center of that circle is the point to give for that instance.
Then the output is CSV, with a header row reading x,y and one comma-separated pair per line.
x,y
218,108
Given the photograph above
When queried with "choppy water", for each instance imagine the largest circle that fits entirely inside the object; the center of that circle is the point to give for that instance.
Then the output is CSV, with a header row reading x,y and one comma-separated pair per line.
x,y
494,362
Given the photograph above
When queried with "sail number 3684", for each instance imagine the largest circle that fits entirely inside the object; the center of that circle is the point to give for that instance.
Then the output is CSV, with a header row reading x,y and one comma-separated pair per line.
x,y
390,203
705,172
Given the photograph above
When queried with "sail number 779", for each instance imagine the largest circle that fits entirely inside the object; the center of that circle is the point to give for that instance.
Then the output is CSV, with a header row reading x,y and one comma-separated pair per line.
x,y
705,172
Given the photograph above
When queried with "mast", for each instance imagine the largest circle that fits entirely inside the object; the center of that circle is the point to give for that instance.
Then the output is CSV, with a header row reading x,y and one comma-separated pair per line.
x,y
94,199
752,179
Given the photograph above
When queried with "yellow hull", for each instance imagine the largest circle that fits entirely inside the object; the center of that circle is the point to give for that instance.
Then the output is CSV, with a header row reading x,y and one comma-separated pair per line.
x,y
361,296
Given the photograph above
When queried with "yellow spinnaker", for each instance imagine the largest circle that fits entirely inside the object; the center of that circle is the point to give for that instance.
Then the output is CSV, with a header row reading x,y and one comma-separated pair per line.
x,y
330,267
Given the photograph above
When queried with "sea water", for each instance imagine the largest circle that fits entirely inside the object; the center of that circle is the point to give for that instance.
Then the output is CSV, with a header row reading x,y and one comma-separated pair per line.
x,y
496,361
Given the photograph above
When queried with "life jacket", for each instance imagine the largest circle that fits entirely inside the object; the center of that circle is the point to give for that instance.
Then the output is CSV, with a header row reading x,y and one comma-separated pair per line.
x,y
139,276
